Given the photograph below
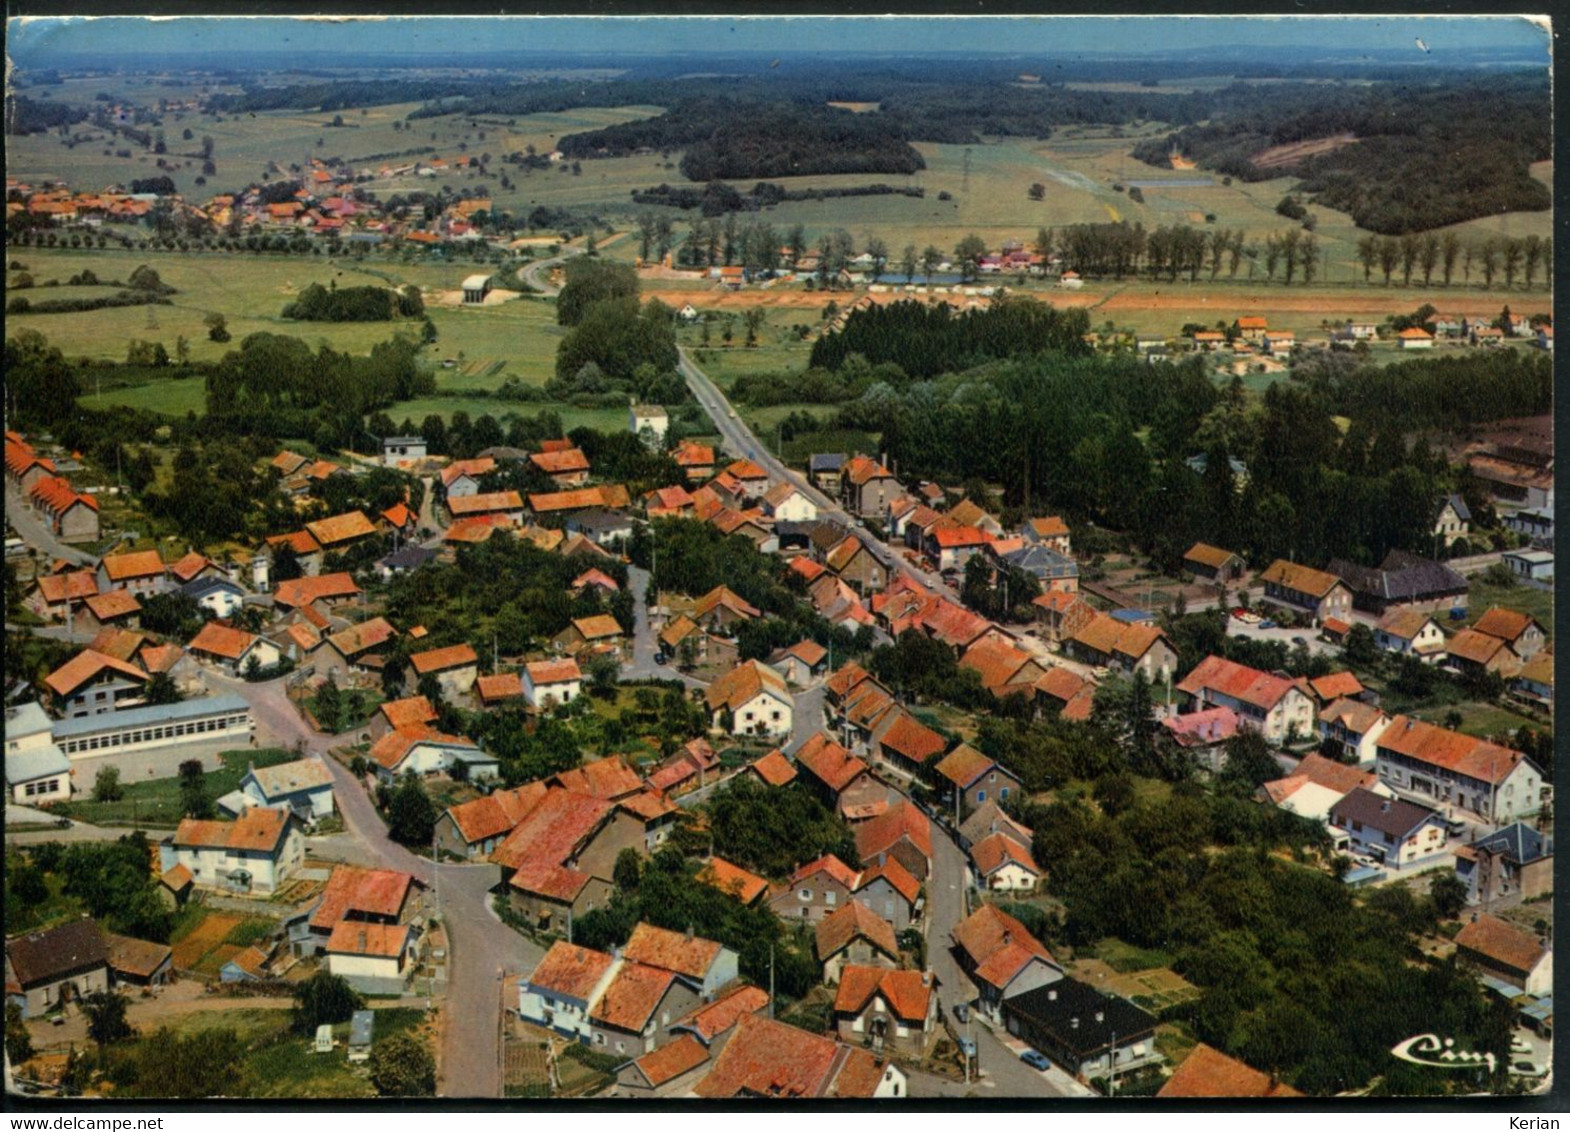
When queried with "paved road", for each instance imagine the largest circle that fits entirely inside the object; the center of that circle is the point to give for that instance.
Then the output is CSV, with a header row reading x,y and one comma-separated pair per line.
x,y
641,664
483,948
35,532
741,441
537,274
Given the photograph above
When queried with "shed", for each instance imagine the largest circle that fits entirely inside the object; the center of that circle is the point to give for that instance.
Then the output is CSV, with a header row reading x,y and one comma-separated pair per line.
x,y
475,288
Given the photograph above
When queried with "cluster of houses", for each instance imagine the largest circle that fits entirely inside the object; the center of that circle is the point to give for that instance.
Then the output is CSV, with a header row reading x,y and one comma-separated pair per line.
x,y
327,203
70,515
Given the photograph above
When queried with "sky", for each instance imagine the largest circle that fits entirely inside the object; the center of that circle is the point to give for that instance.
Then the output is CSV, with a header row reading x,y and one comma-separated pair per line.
x,y
31,42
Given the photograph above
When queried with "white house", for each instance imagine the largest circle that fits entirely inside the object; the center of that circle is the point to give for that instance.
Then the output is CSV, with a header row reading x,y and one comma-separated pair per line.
x,y
399,448
565,985
304,787
253,854
1002,864
1534,565
756,697
547,683
372,958
1440,767
233,650
1356,726
421,751
1397,833
1508,953
651,423
1272,705
1411,631
36,771
218,596
787,502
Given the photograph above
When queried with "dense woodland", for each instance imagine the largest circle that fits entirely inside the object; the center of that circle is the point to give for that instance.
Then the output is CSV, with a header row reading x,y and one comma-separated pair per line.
x,y
354,304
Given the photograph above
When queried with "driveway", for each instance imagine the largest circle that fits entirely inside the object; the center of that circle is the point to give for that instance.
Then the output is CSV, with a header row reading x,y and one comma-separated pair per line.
x,y
483,948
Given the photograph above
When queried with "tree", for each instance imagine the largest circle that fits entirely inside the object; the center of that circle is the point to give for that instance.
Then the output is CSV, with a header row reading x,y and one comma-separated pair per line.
x,y
411,816
968,253
1449,894
106,785
1249,763
161,689
217,327
930,258
401,1066
18,1042
591,281
628,870
328,705
106,1021
194,802
908,263
323,999
1360,649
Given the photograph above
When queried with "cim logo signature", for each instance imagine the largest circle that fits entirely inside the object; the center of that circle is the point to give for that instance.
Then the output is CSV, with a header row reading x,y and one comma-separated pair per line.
x,y
1440,1053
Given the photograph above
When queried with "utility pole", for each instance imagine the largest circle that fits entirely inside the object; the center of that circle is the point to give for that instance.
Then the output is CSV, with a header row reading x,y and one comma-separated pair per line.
x,y
771,980
1112,1068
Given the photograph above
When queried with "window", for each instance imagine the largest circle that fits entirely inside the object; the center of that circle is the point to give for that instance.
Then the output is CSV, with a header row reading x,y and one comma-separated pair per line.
x,y
599,1039
1003,793
981,796
828,898
805,894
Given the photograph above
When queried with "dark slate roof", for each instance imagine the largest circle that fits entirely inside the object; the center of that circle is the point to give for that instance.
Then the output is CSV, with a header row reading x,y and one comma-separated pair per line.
x,y
1042,562
408,558
1400,577
1459,504
1055,1006
827,533
592,521
504,452
791,529
1384,815
1519,842
39,958
825,461
201,587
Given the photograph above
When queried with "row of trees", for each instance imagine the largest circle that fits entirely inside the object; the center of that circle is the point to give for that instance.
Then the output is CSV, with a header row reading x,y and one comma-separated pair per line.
x,y
1491,257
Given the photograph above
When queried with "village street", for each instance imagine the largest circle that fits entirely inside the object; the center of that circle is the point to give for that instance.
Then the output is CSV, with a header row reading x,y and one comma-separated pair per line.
x,y
483,948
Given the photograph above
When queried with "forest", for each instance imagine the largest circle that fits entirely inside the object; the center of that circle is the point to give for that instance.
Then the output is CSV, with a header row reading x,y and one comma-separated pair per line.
x,y
354,304
1425,155
926,340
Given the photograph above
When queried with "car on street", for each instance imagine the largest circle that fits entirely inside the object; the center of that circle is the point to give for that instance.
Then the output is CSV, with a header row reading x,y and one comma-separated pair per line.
x,y
660,658
962,1013
1035,1060
1300,641
1520,1047
1267,624
967,1046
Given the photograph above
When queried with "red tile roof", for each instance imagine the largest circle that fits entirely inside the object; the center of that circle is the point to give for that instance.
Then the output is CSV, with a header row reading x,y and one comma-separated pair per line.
x,y
898,876
908,737
715,1018
501,686
297,592
1303,579
1506,624
140,564
634,994
379,941
190,566
829,762
411,711
775,769
565,462
854,921
1504,943
1336,685
830,865
908,993
474,469
688,955
1449,750
1236,681
341,528
300,542
399,515
217,639
439,660
1208,1072
765,1058
995,850
991,935
597,627
258,829
732,880
73,586
609,778
902,821
497,813
470,506
553,671
570,971
554,830
668,1062
115,603
85,666
392,748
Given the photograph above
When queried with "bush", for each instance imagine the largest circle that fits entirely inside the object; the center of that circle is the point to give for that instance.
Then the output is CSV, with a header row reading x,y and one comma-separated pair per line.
x,y
401,1066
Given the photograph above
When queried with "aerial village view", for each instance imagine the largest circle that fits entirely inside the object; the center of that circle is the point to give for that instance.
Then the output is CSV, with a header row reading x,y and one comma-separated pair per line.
x,y
743,560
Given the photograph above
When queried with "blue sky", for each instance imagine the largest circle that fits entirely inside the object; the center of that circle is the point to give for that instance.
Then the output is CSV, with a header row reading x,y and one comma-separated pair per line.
x,y
31,42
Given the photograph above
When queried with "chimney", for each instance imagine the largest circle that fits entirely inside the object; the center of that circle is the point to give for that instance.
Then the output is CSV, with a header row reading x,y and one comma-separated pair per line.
x,y
1008,937
926,978
1101,1016
1384,807
1073,1023
689,933
1052,994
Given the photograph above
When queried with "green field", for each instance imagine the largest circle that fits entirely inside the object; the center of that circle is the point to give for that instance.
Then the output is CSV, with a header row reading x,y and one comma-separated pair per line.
x,y
157,802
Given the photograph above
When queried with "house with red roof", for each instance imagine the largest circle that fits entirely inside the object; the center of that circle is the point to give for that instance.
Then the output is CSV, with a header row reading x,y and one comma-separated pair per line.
x,y
1272,705
854,934
769,1060
907,744
548,683
255,853
887,1011
842,780
357,896
902,832
232,650
1209,1073
1509,953
1001,957
455,667
866,486
973,777
773,769
815,890
1436,766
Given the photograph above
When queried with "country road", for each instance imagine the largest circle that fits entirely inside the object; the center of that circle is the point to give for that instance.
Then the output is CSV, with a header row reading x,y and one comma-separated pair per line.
x,y
484,949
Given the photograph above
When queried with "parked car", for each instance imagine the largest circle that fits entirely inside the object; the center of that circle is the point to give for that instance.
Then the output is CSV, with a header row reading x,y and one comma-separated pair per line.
x,y
1527,1069
1035,1060
967,1046
1520,1047
1300,641
1267,624
962,1013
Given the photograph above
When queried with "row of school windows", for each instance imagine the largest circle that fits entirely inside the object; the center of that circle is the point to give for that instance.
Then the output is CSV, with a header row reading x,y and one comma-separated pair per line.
x,y
153,734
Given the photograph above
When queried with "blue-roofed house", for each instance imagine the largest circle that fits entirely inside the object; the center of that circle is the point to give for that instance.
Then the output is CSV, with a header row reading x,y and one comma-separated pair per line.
x,y
1516,861
152,741
219,596
1056,572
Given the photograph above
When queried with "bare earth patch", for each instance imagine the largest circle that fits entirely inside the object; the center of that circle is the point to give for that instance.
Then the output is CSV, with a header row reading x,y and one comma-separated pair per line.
x,y
1286,156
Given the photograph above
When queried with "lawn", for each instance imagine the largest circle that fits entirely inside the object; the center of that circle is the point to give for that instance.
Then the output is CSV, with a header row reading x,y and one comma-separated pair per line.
x,y
279,1063
1484,720
356,706
157,802
1523,599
